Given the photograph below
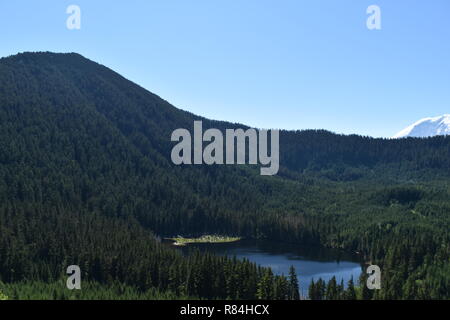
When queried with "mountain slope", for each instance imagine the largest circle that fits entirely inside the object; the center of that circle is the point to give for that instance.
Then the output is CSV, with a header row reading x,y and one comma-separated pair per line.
x,y
67,87
86,176
427,127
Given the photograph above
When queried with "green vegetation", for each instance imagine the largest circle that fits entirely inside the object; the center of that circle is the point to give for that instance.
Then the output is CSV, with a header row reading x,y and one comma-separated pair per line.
x,y
86,178
180,241
37,290
3,296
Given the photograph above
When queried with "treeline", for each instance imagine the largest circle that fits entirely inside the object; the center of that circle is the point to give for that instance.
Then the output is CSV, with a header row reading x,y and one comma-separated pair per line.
x,y
38,290
333,290
40,245
350,158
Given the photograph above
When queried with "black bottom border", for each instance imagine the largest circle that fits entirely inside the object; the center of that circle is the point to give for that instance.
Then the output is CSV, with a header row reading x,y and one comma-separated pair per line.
x,y
186,309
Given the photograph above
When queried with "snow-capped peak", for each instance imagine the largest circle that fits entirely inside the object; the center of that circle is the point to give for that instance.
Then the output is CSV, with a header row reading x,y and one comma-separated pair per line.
x,y
427,127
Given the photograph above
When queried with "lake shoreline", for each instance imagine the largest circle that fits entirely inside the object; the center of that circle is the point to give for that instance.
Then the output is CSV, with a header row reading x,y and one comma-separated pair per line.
x,y
310,262
182,241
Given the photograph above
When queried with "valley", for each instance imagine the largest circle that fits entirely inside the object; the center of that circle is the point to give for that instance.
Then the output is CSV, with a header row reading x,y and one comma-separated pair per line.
x,y
86,178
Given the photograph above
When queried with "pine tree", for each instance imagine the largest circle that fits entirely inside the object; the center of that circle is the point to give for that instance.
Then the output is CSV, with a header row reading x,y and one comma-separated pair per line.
x,y
312,290
351,293
265,287
293,285
366,294
331,291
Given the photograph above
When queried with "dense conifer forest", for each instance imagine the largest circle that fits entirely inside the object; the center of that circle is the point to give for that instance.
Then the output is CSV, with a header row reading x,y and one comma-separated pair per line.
x,y
86,179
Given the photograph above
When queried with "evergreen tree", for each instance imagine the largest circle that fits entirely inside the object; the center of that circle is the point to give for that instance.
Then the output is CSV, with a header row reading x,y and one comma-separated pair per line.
x,y
331,291
351,293
265,286
312,291
366,294
293,284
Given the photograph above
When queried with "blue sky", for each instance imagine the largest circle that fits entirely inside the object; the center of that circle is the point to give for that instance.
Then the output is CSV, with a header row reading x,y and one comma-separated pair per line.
x,y
293,64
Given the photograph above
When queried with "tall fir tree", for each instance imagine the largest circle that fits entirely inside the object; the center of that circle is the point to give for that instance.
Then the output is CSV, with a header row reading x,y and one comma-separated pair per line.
x,y
294,286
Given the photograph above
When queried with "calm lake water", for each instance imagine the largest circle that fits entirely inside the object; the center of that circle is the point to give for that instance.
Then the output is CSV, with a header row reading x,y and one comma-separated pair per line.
x,y
310,263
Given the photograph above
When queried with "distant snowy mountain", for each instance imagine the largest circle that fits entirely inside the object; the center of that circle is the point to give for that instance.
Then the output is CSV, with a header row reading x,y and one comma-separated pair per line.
x,y
427,127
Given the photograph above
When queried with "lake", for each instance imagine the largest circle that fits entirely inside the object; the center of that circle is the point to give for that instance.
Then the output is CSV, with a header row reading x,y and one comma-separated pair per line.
x,y
309,262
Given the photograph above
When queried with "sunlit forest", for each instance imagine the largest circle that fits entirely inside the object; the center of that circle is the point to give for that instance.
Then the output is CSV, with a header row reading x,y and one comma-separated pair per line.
x,y
86,179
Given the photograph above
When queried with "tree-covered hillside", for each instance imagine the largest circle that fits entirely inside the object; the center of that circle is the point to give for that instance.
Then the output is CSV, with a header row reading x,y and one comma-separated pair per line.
x,y
86,178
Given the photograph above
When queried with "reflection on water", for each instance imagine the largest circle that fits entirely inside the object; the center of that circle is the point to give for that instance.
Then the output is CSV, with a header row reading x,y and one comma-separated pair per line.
x,y
309,262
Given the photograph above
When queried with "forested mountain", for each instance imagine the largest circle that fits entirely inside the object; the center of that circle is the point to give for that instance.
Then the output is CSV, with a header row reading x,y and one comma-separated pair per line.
x,y
86,178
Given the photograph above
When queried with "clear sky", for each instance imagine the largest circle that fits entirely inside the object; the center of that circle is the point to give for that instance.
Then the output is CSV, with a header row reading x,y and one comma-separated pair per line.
x,y
293,64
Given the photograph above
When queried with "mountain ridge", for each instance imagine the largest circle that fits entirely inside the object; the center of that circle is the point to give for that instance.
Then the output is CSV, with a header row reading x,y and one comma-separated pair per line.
x,y
67,85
